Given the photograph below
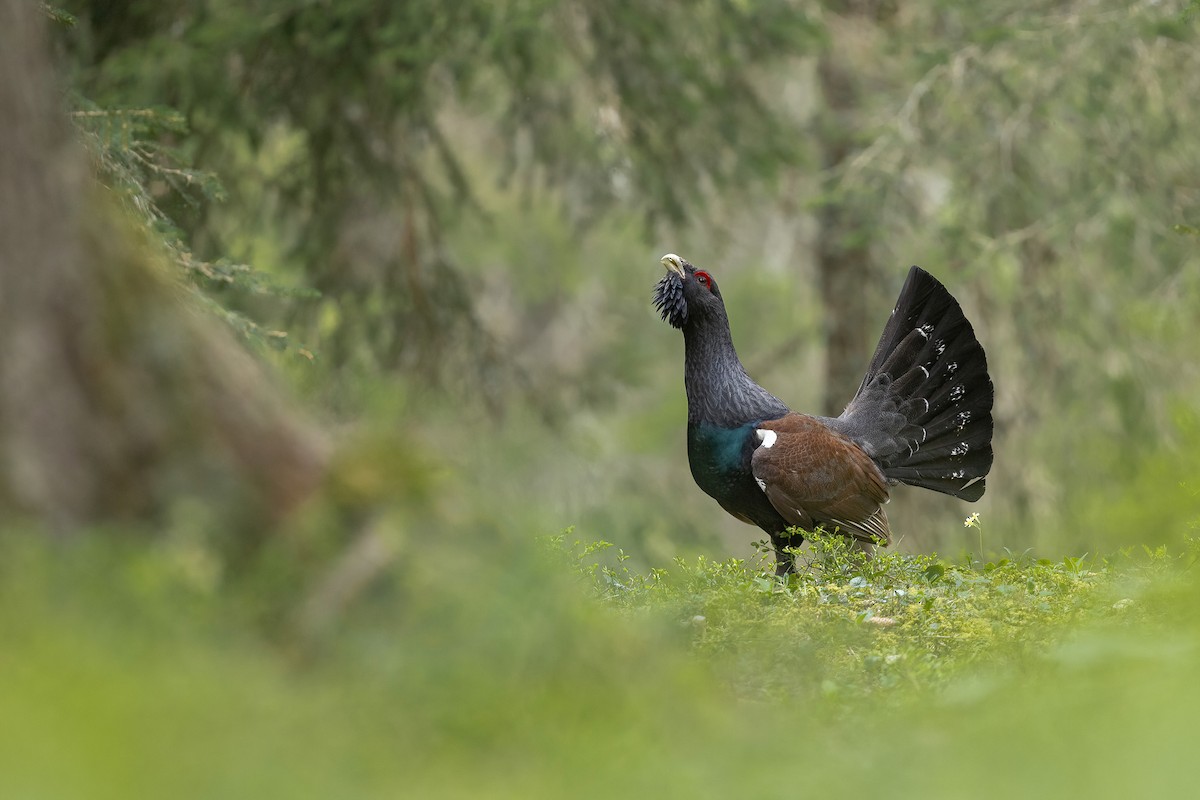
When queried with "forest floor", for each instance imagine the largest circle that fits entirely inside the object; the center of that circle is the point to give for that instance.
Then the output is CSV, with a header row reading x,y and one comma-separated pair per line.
x,y
559,671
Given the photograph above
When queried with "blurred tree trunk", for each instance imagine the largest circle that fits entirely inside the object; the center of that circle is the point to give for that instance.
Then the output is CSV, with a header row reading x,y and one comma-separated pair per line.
x,y
843,253
844,239
116,395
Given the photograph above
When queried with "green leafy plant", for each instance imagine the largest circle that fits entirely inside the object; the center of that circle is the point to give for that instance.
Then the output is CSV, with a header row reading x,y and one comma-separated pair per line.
x,y
136,162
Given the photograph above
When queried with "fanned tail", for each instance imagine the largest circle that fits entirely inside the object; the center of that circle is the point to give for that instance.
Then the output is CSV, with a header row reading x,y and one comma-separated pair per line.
x,y
924,409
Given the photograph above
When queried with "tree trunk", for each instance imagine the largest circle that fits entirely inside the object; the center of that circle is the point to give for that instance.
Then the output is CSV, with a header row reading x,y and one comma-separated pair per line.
x,y
843,252
116,394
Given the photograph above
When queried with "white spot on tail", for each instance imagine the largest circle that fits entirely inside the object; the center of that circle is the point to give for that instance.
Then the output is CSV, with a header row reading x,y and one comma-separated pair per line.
x,y
767,437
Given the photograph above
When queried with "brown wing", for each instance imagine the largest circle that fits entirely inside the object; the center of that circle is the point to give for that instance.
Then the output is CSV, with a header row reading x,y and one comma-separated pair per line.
x,y
812,475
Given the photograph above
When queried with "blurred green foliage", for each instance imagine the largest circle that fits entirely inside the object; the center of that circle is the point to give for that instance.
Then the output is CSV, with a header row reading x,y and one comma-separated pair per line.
x,y
339,134
129,148
126,670
476,204
477,197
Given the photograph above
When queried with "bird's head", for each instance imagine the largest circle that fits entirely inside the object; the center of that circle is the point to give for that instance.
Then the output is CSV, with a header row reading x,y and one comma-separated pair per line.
x,y
686,293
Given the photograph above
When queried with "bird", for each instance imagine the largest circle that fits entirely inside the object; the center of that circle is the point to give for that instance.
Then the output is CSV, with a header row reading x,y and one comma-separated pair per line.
x,y
922,416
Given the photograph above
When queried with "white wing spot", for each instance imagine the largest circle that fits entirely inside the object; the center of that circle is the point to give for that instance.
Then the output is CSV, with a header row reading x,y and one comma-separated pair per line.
x,y
957,393
952,368
761,483
767,437
961,473
939,346
960,449
960,420
925,330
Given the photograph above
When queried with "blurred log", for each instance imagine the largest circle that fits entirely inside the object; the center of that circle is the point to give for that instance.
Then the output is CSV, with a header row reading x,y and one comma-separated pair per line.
x,y
116,394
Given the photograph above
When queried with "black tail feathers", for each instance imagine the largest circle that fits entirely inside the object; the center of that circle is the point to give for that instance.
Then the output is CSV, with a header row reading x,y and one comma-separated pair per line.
x,y
924,409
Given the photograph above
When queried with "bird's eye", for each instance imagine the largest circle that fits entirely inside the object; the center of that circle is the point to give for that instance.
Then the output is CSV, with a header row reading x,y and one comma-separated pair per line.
x,y
705,280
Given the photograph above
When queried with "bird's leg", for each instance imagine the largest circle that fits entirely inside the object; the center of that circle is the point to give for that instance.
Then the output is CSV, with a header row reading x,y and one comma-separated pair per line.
x,y
785,562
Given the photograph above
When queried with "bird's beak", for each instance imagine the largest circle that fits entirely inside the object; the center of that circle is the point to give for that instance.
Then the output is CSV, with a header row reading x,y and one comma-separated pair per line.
x,y
674,263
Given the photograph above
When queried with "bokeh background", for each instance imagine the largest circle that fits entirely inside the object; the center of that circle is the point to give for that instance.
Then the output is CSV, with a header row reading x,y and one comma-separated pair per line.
x,y
477,198
318,314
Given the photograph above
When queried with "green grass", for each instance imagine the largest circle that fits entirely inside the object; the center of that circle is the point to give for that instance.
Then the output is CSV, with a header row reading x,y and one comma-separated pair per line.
x,y
554,669
848,626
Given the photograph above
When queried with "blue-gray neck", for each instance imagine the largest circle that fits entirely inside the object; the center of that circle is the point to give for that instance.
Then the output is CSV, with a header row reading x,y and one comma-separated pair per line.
x,y
719,391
